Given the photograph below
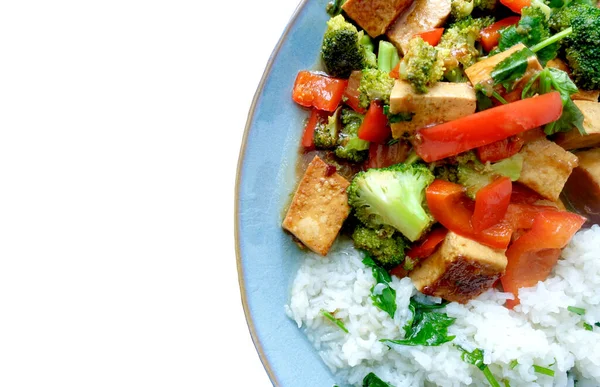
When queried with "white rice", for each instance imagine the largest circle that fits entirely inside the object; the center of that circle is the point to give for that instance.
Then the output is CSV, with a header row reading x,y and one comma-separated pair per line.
x,y
540,331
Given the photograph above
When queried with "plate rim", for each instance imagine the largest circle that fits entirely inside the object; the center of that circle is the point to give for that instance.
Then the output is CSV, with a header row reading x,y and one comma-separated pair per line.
x,y
241,156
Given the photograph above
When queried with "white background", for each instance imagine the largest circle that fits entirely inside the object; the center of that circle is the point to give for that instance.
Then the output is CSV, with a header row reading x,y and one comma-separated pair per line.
x,y
120,127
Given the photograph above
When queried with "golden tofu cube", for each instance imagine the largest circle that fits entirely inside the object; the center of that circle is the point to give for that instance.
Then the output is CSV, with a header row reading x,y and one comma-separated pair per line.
x,y
375,16
546,167
586,95
481,72
582,190
460,269
591,123
444,102
319,207
423,15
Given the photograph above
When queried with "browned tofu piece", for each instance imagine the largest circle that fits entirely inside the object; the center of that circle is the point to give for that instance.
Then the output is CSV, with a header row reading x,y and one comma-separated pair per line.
x,y
444,102
460,270
546,167
375,16
559,64
582,191
423,15
586,95
591,123
319,207
481,71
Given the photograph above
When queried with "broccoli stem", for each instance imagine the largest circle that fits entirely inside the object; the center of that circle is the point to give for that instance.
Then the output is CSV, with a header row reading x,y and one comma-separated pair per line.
x,y
553,39
387,56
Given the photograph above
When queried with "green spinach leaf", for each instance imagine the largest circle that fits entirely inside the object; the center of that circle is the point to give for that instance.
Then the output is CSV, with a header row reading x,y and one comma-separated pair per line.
x,y
382,294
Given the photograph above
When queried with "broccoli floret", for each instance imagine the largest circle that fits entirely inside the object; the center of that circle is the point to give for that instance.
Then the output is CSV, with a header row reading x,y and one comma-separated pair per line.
x,y
342,50
562,18
583,48
463,8
350,147
422,65
458,45
474,175
385,247
370,57
387,56
326,135
375,84
393,197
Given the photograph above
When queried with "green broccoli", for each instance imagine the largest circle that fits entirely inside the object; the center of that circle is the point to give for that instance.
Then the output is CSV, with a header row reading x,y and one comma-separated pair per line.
x,y
387,56
474,175
393,197
350,147
334,7
583,49
385,247
375,84
422,65
370,57
463,8
326,135
342,50
458,46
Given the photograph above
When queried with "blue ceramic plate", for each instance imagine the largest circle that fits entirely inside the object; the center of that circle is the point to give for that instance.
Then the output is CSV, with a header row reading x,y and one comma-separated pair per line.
x,y
267,257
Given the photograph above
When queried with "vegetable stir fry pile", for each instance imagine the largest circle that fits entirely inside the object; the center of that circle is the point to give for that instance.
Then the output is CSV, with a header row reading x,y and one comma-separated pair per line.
x,y
452,140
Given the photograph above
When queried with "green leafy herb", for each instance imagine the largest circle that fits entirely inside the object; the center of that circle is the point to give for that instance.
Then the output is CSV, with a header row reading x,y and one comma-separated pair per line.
x,y
425,327
597,324
506,383
336,321
371,380
484,101
551,79
543,370
513,364
588,327
382,294
476,358
397,117
579,311
511,69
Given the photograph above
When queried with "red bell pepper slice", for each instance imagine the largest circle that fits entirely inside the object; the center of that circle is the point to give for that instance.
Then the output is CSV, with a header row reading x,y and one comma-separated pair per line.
x,y
429,244
351,93
490,36
395,73
375,126
516,5
383,155
450,206
318,91
532,256
316,117
500,150
524,195
491,203
520,216
486,127
432,36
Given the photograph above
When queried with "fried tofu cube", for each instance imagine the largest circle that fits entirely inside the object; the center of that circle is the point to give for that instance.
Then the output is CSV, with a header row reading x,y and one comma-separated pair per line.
x,y
319,207
375,16
591,123
460,269
546,167
423,15
481,72
586,95
444,102
582,190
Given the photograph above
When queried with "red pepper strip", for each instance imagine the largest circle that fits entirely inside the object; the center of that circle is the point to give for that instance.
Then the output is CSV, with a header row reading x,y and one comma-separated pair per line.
x,y
374,127
524,195
491,204
318,91
488,126
432,36
500,150
351,93
383,155
520,216
395,73
491,35
449,205
516,5
429,244
316,117
532,256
